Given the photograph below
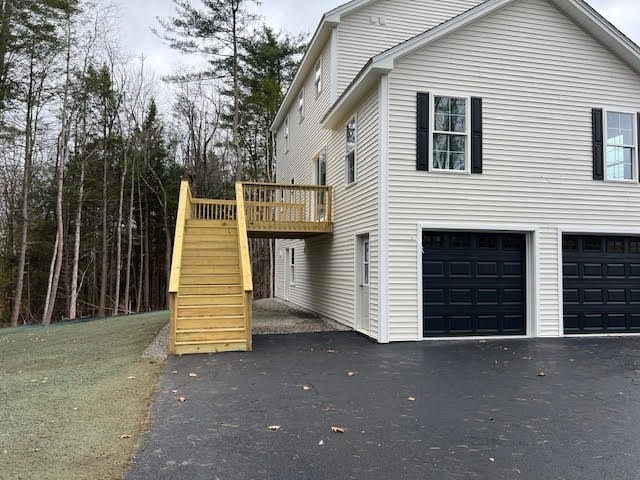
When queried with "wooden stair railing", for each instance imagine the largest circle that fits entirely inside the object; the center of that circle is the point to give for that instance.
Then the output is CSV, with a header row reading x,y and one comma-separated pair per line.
x,y
245,263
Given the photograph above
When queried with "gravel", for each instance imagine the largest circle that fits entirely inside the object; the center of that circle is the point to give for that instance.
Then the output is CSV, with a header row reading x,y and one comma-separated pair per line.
x,y
271,316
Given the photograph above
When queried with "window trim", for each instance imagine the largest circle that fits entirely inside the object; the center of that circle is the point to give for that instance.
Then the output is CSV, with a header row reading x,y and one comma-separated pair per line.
x,y
633,146
286,134
301,106
317,80
432,131
292,267
353,119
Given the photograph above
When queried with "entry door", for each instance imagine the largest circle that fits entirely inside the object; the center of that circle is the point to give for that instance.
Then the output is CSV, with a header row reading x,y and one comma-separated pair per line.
x,y
321,180
363,279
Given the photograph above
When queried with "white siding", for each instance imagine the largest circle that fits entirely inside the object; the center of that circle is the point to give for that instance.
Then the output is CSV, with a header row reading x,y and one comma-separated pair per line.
x,y
539,76
325,266
383,24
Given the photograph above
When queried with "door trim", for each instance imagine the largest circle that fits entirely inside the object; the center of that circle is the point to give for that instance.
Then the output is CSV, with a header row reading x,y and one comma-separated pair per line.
x,y
358,264
573,230
532,259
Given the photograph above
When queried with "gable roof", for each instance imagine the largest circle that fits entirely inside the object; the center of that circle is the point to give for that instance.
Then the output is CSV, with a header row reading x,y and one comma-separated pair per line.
x,y
577,10
323,32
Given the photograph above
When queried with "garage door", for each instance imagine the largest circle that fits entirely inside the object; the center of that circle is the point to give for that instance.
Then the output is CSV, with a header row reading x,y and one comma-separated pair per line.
x,y
601,284
473,284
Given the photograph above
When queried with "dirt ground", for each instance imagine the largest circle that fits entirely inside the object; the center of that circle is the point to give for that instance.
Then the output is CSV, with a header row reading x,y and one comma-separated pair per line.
x,y
74,398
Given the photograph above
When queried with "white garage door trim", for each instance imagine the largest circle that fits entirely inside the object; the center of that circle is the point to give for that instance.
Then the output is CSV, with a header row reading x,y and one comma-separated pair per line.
x,y
533,272
573,230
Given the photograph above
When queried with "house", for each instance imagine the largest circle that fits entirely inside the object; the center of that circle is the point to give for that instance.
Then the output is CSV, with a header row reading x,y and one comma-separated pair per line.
x,y
485,170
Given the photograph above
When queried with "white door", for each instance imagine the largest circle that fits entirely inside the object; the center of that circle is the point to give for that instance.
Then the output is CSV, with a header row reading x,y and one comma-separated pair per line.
x,y
363,274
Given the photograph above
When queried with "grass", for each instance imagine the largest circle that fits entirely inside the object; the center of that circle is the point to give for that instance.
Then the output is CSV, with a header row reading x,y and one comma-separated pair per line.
x,y
66,397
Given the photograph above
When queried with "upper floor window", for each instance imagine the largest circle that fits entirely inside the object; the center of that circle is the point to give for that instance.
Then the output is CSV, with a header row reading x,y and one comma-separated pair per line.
x,y
620,147
351,143
301,106
450,133
318,77
286,134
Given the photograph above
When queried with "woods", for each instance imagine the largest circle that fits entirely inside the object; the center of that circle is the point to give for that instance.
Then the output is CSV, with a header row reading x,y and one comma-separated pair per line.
x,y
90,164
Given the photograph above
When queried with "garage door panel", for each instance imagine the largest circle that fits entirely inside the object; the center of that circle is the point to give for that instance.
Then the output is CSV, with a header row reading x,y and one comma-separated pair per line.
x,y
601,284
482,284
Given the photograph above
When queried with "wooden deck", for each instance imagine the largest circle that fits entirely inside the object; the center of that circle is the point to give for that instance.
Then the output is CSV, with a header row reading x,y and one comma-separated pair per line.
x,y
211,289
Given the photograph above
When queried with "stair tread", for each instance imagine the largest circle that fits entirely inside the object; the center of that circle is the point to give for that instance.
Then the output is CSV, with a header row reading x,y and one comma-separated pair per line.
x,y
210,330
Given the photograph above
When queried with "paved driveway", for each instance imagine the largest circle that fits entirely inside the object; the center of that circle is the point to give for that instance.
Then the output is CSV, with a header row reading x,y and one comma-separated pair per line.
x,y
480,411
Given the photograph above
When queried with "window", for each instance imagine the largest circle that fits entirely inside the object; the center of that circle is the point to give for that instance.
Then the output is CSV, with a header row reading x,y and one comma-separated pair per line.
x,y
351,136
301,106
318,78
450,133
365,262
620,149
286,134
292,266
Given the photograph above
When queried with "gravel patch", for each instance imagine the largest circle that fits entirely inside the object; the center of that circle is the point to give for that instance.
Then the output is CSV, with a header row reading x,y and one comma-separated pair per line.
x,y
271,316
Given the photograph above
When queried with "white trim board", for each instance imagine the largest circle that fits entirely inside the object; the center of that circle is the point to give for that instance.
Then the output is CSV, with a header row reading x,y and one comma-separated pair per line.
x,y
383,210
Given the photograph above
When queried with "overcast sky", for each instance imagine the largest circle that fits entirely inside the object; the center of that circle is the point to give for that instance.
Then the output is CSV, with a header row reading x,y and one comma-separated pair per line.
x,y
139,16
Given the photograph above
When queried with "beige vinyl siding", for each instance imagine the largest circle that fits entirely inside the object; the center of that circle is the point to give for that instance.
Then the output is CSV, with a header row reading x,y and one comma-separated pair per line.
x,y
361,36
325,266
539,76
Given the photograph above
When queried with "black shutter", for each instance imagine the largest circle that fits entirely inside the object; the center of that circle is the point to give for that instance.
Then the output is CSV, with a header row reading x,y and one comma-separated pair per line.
x,y
422,143
598,144
476,135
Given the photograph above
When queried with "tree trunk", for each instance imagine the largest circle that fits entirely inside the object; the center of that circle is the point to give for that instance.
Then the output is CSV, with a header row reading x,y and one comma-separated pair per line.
x,y
26,186
76,246
116,296
236,93
105,227
127,281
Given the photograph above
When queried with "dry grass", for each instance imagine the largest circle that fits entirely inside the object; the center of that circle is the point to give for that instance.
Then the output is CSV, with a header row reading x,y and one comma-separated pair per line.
x,y
66,397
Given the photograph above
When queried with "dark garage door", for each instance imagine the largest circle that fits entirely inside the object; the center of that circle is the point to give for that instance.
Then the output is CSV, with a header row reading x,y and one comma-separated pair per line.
x,y
473,284
601,284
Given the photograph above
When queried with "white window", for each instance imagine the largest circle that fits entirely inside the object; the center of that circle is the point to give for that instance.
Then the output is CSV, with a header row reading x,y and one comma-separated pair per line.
x,y
351,144
620,148
318,78
301,106
292,266
286,134
365,262
450,138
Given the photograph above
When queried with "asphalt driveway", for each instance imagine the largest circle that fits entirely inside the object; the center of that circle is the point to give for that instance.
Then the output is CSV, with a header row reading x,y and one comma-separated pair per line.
x,y
446,410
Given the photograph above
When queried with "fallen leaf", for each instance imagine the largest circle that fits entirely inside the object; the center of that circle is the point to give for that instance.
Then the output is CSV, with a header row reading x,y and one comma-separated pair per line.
x,y
274,427
131,377
193,374
351,374
182,399
411,399
306,387
122,437
492,459
482,341
175,372
174,391
541,374
321,442
331,351
338,429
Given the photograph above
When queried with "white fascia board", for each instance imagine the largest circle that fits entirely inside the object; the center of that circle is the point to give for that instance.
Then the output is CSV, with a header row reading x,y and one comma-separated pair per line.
x,y
318,42
384,62
596,25
323,33
349,101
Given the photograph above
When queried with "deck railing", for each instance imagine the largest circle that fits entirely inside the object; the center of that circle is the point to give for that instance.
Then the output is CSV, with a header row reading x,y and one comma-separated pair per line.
x,y
184,213
245,266
205,209
287,207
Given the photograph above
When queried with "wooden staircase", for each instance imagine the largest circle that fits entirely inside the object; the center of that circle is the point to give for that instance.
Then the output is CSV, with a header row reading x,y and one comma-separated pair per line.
x,y
210,301
210,289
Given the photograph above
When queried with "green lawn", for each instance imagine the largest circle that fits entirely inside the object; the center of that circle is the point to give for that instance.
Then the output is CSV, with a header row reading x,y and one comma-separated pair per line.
x,y
66,397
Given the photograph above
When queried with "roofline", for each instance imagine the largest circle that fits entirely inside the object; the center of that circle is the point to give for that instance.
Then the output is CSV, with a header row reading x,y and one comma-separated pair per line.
x,y
328,21
582,14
